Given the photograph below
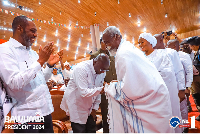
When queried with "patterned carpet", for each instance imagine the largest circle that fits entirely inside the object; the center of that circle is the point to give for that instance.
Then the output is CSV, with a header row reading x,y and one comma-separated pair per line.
x,y
194,113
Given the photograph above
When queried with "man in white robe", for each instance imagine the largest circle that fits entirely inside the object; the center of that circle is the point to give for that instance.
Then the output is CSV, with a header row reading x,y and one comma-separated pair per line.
x,y
164,66
139,101
188,71
178,67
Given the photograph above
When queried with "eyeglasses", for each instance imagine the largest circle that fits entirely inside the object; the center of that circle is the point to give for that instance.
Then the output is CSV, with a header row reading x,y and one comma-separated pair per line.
x,y
103,70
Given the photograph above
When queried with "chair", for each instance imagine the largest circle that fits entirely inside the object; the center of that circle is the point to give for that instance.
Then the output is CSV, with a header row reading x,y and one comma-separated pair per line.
x,y
59,127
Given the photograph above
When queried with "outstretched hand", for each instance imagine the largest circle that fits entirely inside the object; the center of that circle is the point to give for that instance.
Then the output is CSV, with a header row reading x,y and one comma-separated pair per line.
x,y
45,52
54,58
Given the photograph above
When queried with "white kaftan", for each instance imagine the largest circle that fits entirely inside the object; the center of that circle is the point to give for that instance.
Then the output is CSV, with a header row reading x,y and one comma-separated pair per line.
x,y
139,101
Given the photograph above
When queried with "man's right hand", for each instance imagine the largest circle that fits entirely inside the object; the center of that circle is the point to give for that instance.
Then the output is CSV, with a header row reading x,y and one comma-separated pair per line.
x,y
44,53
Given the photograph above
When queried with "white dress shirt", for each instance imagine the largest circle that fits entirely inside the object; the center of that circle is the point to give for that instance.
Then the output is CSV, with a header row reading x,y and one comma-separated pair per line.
x,y
83,92
187,66
57,78
24,79
178,68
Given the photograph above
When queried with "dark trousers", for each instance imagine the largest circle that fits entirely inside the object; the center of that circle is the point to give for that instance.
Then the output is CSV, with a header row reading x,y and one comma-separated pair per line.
x,y
35,127
104,113
196,91
89,127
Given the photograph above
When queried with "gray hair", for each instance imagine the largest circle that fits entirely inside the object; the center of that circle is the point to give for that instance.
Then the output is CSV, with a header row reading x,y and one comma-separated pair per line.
x,y
112,31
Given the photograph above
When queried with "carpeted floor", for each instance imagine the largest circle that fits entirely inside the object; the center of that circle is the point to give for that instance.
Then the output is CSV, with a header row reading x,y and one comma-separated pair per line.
x,y
194,113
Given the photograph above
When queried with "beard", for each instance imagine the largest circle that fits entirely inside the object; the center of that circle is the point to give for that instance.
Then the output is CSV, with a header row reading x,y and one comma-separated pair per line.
x,y
113,52
26,39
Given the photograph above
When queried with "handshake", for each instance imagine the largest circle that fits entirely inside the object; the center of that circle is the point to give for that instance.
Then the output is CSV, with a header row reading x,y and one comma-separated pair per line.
x,y
102,91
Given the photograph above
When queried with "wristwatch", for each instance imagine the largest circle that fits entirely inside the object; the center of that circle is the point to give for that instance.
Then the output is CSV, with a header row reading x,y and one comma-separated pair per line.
x,y
50,65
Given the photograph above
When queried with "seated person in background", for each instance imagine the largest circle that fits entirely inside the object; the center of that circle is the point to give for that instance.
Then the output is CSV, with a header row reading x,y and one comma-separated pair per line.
x,y
57,77
65,68
65,85
50,85
82,96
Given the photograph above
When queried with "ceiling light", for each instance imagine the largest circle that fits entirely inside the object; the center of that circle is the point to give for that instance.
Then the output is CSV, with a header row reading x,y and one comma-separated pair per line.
x,y
44,39
107,24
133,40
75,57
138,23
39,2
79,1
166,15
79,42
6,3
69,27
173,29
77,23
13,5
81,35
118,2
77,50
88,46
125,37
57,42
36,42
129,14
56,32
95,13
68,38
51,18
144,30
67,46
40,27
85,54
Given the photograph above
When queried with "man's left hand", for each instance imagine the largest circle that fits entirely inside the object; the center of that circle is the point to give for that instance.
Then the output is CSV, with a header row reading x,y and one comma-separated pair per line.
x,y
93,113
181,95
187,92
54,58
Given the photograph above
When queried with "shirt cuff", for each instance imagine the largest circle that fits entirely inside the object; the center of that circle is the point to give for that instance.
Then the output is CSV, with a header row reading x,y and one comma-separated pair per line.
x,y
188,84
48,69
36,66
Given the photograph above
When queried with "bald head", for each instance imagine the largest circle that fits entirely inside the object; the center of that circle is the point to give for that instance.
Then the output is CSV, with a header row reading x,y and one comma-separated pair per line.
x,y
20,21
101,63
160,44
173,44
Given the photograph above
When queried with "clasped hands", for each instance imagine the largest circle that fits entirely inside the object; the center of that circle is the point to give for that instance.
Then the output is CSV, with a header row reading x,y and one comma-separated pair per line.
x,y
102,91
46,54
